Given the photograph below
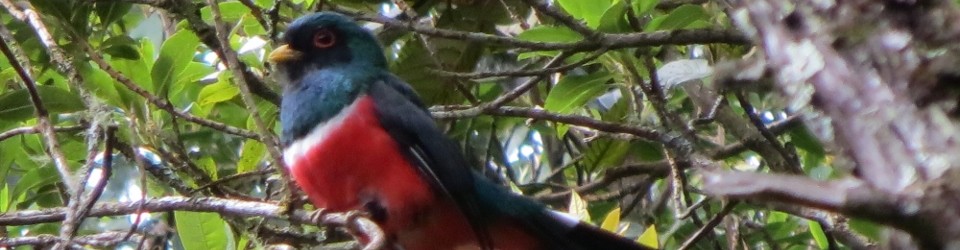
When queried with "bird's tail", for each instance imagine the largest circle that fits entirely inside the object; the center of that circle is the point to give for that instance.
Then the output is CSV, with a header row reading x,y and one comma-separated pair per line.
x,y
554,230
561,231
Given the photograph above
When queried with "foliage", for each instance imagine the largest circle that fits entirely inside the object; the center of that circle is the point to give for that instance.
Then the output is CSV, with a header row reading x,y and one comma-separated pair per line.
x,y
616,104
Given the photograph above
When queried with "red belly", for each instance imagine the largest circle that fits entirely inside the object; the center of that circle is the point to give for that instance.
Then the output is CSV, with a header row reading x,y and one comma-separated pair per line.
x,y
358,162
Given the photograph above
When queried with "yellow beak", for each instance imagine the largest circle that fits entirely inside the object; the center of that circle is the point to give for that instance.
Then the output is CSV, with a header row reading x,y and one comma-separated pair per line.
x,y
283,54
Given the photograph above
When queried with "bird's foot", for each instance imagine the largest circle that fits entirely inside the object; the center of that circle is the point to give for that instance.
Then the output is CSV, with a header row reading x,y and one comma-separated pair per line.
x,y
317,216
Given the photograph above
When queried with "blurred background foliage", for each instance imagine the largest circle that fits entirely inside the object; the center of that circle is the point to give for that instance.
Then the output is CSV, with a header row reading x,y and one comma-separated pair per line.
x,y
556,144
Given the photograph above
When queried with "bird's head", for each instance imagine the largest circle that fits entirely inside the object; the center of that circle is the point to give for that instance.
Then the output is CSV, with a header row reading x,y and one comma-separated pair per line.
x,y
325,40
324,64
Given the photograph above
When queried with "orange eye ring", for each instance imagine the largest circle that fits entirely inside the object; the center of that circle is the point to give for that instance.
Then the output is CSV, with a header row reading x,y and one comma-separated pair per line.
x,y
324,38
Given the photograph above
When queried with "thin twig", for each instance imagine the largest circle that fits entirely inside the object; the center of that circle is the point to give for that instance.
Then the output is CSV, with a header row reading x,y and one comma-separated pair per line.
x,y
516,73
564,19
541,114
610,41
274,14
101,240
751,112
776,128
232,178
34,129
256,12
708,228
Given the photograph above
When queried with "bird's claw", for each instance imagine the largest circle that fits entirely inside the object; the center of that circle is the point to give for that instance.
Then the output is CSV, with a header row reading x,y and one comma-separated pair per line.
x,y
317,216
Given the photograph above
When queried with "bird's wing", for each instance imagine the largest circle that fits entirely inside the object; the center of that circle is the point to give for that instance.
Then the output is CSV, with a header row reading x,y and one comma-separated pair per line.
x,y
437,158
440,161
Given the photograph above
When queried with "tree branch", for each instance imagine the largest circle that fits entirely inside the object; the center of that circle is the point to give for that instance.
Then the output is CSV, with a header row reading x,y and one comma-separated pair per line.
x,y
224,207
707,228
603,40
563,18
851,197
541,114
517,73
102,240
34,129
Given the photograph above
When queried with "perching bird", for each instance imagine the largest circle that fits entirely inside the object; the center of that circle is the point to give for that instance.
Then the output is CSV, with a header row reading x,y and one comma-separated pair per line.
x,y
356,137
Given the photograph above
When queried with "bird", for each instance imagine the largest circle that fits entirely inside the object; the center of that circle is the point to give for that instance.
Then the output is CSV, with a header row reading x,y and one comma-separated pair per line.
x,y
356,137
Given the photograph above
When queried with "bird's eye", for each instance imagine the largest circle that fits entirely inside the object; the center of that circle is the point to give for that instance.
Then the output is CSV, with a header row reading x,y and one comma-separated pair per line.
x,y
324,38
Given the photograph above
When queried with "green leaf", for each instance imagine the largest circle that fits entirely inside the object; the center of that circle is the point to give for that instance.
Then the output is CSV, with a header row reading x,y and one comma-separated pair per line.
x,y
16,105
589,11
578,207
101,84
614,18
683,17
573,92
783,229
147,49
803,139
604,153
58,9
413,58
5,198
612,220
135,70
251,26
202,231
7,74
11,149
649,237
230,11
250,155
550,34
105,87
218,92
777,217
867,228
48,198
175,54
187,86
209,166
641,7
33,179
264,3
80,17
122,47
111,11
818,235
244,241
123,51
